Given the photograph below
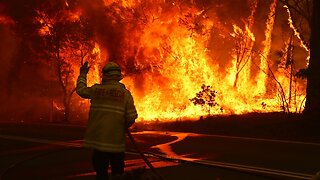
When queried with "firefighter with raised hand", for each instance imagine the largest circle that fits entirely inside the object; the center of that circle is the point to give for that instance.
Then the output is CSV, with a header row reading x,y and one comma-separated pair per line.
x,y
111,112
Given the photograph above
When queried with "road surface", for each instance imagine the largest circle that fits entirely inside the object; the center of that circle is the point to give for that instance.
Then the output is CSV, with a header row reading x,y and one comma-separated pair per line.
x,y
48,151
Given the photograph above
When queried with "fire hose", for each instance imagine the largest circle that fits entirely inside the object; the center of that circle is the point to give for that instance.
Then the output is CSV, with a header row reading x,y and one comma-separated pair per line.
x,y
145,159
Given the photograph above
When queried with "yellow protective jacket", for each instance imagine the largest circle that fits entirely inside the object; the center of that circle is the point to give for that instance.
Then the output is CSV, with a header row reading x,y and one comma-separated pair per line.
x,y
112,110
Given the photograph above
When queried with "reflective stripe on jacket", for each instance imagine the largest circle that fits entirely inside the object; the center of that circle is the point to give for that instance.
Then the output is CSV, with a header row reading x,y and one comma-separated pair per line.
x,y
111,111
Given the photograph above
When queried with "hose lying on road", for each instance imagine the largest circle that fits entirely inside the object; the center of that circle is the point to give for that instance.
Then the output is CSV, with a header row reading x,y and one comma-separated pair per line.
x,y
143,156
264,172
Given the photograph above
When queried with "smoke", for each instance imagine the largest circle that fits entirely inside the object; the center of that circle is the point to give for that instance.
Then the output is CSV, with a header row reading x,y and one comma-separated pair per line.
x,y
7,51
23,76
23,97
8,47
108,28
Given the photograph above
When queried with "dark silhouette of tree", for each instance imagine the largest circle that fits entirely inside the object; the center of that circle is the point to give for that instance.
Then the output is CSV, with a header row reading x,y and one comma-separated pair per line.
x,y
205,98
81,42
312,108
306,19
287,67
284,99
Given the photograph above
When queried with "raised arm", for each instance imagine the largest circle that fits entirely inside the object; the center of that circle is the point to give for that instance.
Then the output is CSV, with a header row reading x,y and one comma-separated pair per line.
x,y
82,89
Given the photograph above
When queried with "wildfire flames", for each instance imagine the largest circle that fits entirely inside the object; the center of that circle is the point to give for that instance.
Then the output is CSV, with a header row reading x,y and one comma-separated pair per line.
x,y
169,49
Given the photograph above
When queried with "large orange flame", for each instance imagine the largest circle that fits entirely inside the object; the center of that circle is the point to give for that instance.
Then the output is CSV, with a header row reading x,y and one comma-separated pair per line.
x,y
264,66
296,32
172,59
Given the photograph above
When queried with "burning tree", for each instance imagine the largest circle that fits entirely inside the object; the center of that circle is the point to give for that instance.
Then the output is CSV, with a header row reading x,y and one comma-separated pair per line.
x,y
305,20
166,50
67,43
206,98
242,50
287,66
287,99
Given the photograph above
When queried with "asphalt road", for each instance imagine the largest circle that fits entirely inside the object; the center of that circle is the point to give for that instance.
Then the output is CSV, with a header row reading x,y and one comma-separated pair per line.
x,y
46,151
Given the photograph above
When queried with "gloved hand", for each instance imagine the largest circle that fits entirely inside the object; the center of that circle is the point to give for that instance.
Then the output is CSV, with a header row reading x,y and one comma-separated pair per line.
x,y
84,69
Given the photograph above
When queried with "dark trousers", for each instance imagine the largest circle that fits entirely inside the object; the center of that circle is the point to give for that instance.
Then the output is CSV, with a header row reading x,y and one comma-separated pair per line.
x,y
101,161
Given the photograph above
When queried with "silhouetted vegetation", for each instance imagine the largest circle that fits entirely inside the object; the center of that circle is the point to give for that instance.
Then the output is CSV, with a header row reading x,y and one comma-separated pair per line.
x,y
205,98
306,19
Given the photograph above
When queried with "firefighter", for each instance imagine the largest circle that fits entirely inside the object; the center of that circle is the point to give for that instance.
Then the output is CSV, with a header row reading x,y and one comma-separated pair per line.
x,y
111,112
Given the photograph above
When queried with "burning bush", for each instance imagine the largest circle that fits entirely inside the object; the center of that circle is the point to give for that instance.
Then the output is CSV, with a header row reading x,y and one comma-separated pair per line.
x,y
206,98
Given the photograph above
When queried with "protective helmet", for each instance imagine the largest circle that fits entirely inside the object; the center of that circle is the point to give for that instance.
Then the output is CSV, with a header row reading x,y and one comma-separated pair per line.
x,y
112,71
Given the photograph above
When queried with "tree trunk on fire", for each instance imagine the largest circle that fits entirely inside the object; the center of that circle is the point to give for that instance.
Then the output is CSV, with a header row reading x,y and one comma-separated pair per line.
x,y
236,80
66,108
65,96
312,108
66,104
